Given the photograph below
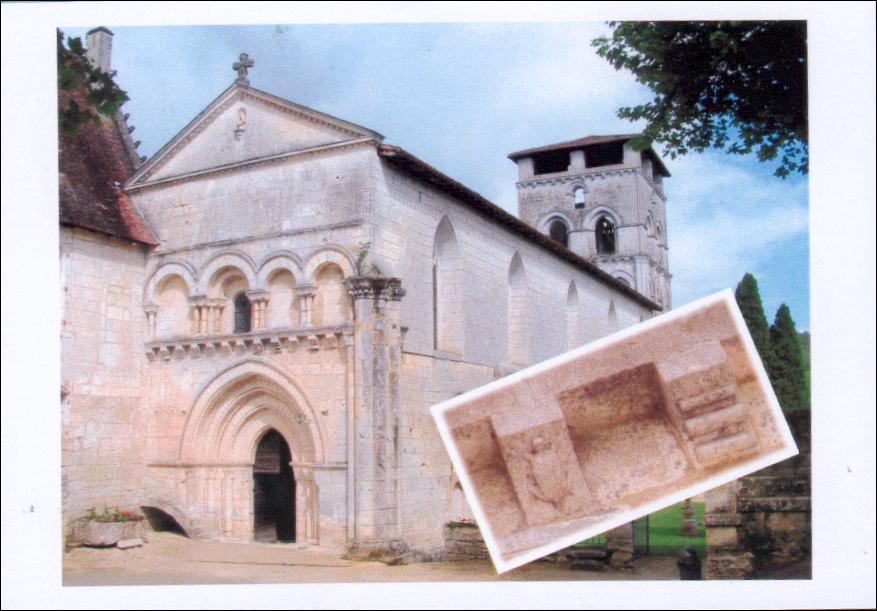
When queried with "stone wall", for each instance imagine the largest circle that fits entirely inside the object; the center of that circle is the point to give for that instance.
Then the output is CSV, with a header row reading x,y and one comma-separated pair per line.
x,y
427,478
406,218
312,193
464,542
760,525
102,441
413,224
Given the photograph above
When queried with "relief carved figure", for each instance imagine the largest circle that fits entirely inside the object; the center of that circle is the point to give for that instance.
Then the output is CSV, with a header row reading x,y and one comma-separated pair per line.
x,y
549,480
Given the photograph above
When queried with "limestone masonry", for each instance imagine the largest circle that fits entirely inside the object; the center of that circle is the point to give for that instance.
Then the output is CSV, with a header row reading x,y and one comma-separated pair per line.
x,y
251,346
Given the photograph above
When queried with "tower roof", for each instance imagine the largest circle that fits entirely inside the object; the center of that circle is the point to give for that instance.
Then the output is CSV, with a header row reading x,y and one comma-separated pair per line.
x,y
587,141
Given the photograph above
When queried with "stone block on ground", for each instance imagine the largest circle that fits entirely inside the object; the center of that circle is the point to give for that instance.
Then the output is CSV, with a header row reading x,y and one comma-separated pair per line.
x,y
129,543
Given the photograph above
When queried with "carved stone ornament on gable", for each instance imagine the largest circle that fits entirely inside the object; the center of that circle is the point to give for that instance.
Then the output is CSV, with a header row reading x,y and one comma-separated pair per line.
x,y
241,123
241,67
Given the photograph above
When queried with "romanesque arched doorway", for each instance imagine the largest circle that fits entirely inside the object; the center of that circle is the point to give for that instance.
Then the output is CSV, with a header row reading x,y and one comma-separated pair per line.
x,y
249,448
273,490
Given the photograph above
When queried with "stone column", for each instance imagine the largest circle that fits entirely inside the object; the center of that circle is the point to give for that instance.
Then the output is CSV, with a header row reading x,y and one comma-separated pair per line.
x,y
689,523
214,315
725,557
258,309
306,294
198,306
151,310
377,357
306,504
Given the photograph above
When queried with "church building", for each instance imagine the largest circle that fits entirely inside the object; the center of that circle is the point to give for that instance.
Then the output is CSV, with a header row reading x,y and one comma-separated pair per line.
x,y
257,319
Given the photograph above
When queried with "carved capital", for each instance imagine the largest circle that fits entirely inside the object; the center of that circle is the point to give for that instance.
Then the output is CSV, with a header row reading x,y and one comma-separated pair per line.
x,y
305,290
368,287
198,300
258,295
394,289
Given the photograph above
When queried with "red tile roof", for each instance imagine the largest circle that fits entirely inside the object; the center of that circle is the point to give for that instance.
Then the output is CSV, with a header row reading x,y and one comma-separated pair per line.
x,y
422,170
92,167
583,142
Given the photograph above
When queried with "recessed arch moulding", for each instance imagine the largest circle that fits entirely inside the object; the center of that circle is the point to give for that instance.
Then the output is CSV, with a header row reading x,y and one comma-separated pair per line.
x,y
204,445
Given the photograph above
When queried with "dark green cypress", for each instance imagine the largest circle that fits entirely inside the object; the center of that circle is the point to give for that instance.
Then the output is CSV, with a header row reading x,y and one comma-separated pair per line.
x,y
804,340
789,380
749,301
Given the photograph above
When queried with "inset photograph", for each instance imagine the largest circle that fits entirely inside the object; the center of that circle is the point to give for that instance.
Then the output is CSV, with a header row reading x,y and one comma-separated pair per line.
x,y
604,434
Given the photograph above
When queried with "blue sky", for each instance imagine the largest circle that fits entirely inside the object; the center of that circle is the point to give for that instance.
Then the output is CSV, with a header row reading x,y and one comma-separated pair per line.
x,y
462,96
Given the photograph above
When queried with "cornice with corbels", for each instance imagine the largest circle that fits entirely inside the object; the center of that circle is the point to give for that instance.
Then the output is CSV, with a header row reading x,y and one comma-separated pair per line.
x,y
269,341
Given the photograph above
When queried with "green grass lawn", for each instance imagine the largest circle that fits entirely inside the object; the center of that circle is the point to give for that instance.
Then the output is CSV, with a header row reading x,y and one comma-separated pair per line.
x,y
664,537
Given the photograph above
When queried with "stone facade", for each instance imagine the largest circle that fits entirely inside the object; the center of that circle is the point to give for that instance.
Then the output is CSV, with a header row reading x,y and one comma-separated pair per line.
x,y
102,363
302,283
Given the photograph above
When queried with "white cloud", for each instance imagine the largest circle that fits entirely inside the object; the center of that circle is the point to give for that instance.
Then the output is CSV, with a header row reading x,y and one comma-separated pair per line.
x,y
726,219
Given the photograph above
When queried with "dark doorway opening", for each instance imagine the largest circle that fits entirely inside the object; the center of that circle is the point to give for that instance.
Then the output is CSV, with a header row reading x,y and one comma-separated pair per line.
x,y
161,521
273,491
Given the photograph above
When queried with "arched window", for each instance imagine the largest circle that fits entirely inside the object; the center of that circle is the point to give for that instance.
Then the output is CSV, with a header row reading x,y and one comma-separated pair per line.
x,y
173,318
518,313
613,316
331,303
241,313
448,315
605,235
559,232
228,284
579,197
573,317
623,280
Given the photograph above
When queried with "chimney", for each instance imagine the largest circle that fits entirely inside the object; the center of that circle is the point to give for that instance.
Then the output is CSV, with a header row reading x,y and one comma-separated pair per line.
x,y
99,48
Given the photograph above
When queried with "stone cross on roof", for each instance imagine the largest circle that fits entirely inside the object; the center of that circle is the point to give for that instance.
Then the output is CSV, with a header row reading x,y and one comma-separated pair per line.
x,y
241,67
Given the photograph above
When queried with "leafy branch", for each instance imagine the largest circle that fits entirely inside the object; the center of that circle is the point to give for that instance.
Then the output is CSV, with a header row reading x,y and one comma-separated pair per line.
x,y
76,75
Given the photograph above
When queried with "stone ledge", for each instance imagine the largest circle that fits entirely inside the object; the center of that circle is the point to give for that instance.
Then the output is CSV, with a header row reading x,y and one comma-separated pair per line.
x,y
774,486
774,504
256,342
721,519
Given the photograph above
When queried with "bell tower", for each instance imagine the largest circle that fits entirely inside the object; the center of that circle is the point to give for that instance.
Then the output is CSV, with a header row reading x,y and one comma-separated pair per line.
x,y
605,202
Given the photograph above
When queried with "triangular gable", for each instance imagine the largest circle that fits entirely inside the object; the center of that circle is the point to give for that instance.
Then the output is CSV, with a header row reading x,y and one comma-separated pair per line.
x,y
244,124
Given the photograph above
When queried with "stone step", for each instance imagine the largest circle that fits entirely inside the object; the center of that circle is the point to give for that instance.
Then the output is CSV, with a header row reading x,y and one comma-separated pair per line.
x,y
709,422
723,448
710,401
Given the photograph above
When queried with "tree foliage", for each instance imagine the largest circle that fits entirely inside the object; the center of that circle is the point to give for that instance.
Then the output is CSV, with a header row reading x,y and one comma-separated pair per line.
x,y
100,94
779,346
804,340
789,381
738,86
749,300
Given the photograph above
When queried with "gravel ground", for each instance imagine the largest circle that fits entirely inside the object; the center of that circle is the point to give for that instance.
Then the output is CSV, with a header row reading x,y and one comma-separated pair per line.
x,y
168,559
